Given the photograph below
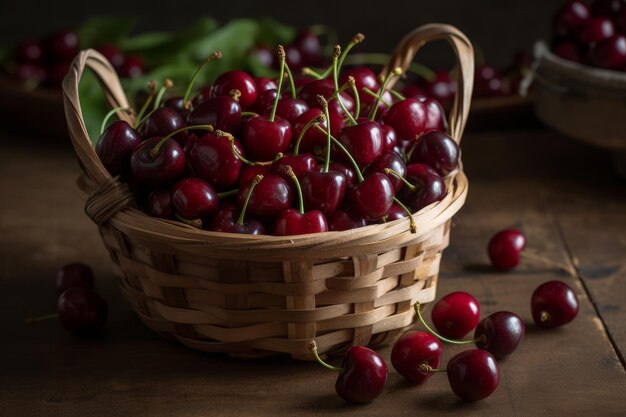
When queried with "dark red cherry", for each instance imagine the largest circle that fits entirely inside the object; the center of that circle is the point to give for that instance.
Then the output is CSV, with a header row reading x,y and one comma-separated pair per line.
x,y
390,138
162,122
499,333
553,304
364,141
31,73
429,187
292,222
455,315
505,249
610,53
407,117
567,50
74,275
82,311
308,44
293,58
213,160
371,199
300,164
62,45
345,220
221,112
488,82
313,138
132,67
152,167
396,213
265,101
473,374
391,160
236,80
435,114
323,191
115,147
610,8
437,150
363,78
226,221
442,88
263,139
345,170
263,84
597,29
201,96
363,375
326,88
570,18
113,54
291,108
160,204
29,50
413,349
194,198
270,197
248,172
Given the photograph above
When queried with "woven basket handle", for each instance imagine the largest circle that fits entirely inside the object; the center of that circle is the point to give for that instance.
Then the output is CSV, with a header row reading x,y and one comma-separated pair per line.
x,y
114,94
411,43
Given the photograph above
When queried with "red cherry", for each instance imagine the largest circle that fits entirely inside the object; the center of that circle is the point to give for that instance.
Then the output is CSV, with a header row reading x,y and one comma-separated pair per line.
x,y
74,275
132,67
363,375
388,160
344,220
115,147
221,112
155,168
597,29
456,314
236,80
499,333
372,198
390,137
270,197
554,304
248,172
62,45
313,138
610,53
570,18
505,249
407,117
160,204
413,349
213,160
193,198
29,50
428,187
364,141
263,55
263,138
473,374
308,45
113,54
442,88
437,150
363,78
162,122
396,213
263,84
82,311
435,114
323,191
567,50
226,220
292,222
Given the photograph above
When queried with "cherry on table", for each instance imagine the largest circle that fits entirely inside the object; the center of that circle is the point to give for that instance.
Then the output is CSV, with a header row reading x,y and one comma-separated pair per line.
x,y
499,333
505,249
82,311
473,374
554,304
456,314
414,349
74,275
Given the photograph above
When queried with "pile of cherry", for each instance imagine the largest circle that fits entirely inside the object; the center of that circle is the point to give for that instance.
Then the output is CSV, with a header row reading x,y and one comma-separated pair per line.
x,y
592,34
334,151
473,374
45,61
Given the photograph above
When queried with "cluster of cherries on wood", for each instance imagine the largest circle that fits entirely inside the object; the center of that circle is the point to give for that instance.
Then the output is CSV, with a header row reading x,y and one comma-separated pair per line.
x,y
473,374
238,157
45,61
592,34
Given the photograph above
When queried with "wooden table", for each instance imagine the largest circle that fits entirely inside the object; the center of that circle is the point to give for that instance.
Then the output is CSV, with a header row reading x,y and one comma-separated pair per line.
x,y
562,194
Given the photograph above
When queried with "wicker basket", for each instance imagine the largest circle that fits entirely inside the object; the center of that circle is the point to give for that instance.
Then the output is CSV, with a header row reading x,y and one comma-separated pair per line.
x,y
252,295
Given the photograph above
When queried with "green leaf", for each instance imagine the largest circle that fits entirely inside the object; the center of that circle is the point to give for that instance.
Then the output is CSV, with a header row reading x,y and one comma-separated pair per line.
x,y
149,40
271,32
104,29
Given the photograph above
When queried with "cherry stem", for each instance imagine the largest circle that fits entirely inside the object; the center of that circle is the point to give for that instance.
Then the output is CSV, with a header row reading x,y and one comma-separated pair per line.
x,y
345,151
167,84
434,333
529,254
194,77
317,119
281,77
357,39
324,104
544,316
376,96
110,114
249,114
397,94
292,84
257,179
154,152
412,225
312,73
383,59
227,194
396,174
191,222
336,82
293,176
396,72
357,99
146,104
238,155
424,367
313,349
32,320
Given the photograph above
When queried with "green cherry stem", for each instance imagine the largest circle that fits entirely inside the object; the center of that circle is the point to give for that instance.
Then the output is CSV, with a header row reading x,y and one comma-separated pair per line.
x,y
191,222
281,77
313,350
237,154
154,152
336,82
313,73
396,94
438,336
424,367
257,179
215,55
110,114
357,39
357,99
227,194
396,72
32,320
318,119
345,151
396,174
292,85
376,96
412,225
152,87
293,176
324,103
167,84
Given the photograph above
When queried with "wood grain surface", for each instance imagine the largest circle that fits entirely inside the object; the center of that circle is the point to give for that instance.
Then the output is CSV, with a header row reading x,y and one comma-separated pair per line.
x,y
563,195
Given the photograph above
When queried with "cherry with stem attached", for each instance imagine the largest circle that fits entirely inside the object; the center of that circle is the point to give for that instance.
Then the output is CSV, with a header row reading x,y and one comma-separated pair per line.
x,y
224,220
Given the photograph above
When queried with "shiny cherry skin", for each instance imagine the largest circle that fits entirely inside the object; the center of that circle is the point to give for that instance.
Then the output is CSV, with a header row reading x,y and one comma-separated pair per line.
x,y
505,248
115,147
30,50
364,141
435,114
363,78
74,275
162,122
473,374
390,137
248,172
396,213
488,82
391,160
455,315
300,165
213,160
293,58
345,220
62,45
263,139
442,88
407,117
567,50
313,138
292,222
499,333
263,84
610,53
325,88
160,204
132,67
265,101
269,198
236,80
308,44
553,304
221,112
429,187
597,29
363,376
345,170
413,349
177,104
323,191
372,198
437,150
194,198
226,221
82,311
202,95
291,108
264,55
164,168
570,18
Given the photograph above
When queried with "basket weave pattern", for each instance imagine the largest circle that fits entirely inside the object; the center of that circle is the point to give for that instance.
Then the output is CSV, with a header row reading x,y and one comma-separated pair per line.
x,y
249,295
